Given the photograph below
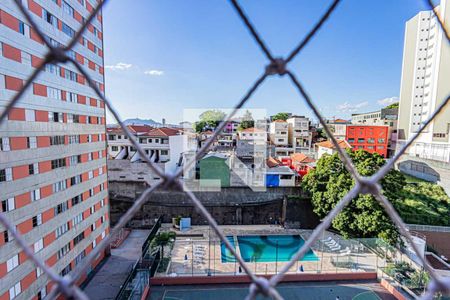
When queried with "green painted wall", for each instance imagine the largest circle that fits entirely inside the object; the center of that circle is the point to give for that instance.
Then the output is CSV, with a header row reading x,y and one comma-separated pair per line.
x,y
214,168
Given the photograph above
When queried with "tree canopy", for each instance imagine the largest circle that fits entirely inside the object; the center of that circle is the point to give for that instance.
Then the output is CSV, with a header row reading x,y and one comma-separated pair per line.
x,y
209,119
280,116
393,105
247,121
363,217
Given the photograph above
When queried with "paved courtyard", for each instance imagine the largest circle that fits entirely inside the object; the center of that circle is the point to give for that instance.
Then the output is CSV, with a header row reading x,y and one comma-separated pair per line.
x,y
106,283
198,251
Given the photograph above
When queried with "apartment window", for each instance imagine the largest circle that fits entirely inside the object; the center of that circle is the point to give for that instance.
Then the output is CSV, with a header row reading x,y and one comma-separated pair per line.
x,y
89,138
164,152
89,156
37,220
42,293
72,97
78,239
78,199
22,27
94,244
100,154
91,174
351,141
14,291
60,208
74,139
33,169
360,140
59,186
380,147
12,263
91,192
55,117
67,8
63,251
66,270
80,257
371,140
142,140
381,141
57,140
61,230
67,30
30,116
74,160
53,69
111,137
58,163
8,204
6,174
103,219
32,142
38,272
102,203
75,180
51,19
77,219
93,227
38,246
4,144
103,235
370,147
35,195
100,171
92,209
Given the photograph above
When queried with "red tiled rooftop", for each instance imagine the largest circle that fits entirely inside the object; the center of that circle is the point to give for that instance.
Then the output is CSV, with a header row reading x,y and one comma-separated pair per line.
x,y
328,144
301,157
272,162
253,129
163,131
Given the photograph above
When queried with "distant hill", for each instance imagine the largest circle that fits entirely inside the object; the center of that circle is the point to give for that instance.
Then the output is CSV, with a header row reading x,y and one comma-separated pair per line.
x,y
148,122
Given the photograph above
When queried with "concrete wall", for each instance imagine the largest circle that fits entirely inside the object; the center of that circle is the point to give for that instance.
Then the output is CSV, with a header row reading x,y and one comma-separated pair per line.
x,y
228,206
124,170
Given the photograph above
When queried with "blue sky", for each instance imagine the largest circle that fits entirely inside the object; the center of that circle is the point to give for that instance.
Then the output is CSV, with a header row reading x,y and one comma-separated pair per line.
x,y
165,56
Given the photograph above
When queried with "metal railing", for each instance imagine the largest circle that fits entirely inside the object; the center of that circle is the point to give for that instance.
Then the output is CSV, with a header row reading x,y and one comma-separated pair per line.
x,y
276,66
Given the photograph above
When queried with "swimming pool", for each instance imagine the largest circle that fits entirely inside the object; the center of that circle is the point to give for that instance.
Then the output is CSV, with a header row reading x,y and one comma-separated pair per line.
x,y
268,248
226,254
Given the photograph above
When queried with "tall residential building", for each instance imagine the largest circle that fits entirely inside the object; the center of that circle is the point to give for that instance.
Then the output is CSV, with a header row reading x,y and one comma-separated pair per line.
x,y
424,85
279,137
299,133
53,182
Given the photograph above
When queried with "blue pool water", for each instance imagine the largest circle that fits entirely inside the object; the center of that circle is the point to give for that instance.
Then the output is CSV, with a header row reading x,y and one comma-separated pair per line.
x,y
226,254
269,248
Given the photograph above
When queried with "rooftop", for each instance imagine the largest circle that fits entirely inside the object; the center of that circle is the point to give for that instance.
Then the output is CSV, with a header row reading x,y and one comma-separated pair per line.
x,y
328,144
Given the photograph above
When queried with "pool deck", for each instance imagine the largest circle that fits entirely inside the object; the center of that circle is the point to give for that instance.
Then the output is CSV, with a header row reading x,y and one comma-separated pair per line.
x,y
198,252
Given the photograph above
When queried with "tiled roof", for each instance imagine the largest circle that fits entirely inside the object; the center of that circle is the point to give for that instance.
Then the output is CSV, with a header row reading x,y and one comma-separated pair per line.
x,y
161,132
328,144
272,162
301,157
139,128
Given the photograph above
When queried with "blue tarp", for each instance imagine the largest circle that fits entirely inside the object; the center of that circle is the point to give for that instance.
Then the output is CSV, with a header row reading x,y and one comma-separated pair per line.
x,y
272,180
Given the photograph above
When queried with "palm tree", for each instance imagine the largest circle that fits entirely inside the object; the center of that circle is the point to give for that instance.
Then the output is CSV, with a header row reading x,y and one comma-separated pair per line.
x,y
163,239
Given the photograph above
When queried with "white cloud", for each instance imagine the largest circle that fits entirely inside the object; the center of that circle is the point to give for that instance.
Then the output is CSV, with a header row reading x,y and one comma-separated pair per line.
x,y
119,66
349,107
154,72
387,101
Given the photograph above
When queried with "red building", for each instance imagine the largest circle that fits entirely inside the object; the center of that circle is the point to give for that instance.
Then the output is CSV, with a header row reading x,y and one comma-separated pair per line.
x,y
369,138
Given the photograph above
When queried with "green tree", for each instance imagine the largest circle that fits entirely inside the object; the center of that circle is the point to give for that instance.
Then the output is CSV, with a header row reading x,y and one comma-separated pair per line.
x,y
280,116
393,105
247,121
212,117
199,126
364,216
162,239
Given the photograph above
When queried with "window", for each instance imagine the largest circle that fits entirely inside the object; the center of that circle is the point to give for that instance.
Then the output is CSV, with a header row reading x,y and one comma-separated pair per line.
x,y
55,117
54,93
94,244
4,144
30,116
61,230
32,142
21,27
351,140
142,140
35,195
12,263
103,235
59,186
89,156
380,147
60,208
63,251
66,270
92,209
67,30
72,97
74,160
360,140
37,220
53,69
75,180
381,141
42,293
114,148
164,152
77,219
100,171
78,239
57,140
74,139
6,174
38,272
8,205
371,140
111,137
67,8
80,257
370,147
51,19
93,227
71,75
14,290
78,199
38,246
58,163
91,174
33,169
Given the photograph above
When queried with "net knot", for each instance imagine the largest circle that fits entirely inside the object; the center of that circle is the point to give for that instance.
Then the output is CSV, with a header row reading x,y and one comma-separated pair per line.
x,y
260,285
368,186
57,55
276,66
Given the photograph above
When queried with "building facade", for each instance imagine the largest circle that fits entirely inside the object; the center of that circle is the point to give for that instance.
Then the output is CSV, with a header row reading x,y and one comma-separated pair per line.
x,y
279,138
424,85
299,133
53,178
373,139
